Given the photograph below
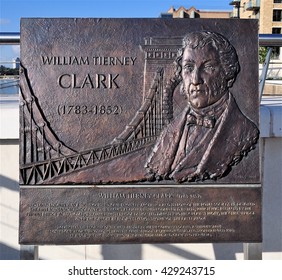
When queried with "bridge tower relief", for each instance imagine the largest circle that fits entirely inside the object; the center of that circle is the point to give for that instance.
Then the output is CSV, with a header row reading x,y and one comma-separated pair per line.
x,y
162,52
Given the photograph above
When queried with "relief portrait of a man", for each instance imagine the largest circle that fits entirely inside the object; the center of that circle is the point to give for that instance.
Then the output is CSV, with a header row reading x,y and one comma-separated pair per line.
x,y
211,134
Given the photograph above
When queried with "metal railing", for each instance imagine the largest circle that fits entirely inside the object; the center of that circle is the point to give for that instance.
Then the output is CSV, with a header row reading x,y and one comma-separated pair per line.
x,y
265,40
9,85
9,38
270,40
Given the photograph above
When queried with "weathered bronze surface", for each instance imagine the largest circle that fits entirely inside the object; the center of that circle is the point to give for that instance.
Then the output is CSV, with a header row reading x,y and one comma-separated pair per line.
x,y
113,101
168,105
139,215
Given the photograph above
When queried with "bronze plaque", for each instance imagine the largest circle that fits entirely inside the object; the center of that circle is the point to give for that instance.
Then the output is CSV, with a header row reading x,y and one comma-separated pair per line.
x,y
159,117
139,215
139,100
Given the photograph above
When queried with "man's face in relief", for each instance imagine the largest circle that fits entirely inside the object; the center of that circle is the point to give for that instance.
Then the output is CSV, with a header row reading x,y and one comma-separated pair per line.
x,y
203,77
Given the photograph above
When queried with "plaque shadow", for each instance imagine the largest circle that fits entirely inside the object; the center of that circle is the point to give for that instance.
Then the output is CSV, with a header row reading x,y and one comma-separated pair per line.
x,y
8,253
122,252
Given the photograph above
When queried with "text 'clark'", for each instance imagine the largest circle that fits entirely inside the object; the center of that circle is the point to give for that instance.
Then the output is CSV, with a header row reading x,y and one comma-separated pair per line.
x,y
99,81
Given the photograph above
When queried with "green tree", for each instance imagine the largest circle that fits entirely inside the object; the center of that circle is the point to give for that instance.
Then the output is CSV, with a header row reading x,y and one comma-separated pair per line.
x,y
262,54
8,71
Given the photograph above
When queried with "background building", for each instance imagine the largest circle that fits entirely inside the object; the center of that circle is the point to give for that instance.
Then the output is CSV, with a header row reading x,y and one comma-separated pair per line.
x,y
269,13
194,13
16,63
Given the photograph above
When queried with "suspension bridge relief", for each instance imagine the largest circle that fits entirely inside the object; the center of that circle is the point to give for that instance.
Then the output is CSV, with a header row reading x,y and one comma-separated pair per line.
x,y
155,119
44,157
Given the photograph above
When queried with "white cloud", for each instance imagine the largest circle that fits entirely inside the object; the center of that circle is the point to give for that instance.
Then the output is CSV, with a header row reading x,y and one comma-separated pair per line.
x,y
16,50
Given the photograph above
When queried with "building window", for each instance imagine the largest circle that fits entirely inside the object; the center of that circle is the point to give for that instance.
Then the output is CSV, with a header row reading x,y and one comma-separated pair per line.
x,y
277,15
276,30
277,1
166,15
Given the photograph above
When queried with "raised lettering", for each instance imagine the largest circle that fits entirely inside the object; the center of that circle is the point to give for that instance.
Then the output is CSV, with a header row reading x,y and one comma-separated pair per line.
x,y
87,81
112,81
47,59
100,80
106,81
64,60
64,81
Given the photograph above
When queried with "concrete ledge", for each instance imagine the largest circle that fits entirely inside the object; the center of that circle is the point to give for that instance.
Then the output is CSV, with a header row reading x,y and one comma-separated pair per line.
x,y
9,122
271,117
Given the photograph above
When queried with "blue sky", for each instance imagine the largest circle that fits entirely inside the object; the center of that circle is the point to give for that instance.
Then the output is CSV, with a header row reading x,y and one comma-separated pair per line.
x,y
12,10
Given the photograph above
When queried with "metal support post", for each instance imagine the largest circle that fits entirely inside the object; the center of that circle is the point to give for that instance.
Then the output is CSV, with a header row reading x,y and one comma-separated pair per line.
x,y
252,251
28,252
264,72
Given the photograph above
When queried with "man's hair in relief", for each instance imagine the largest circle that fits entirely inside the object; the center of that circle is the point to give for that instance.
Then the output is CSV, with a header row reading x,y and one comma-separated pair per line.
x,y
227,53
